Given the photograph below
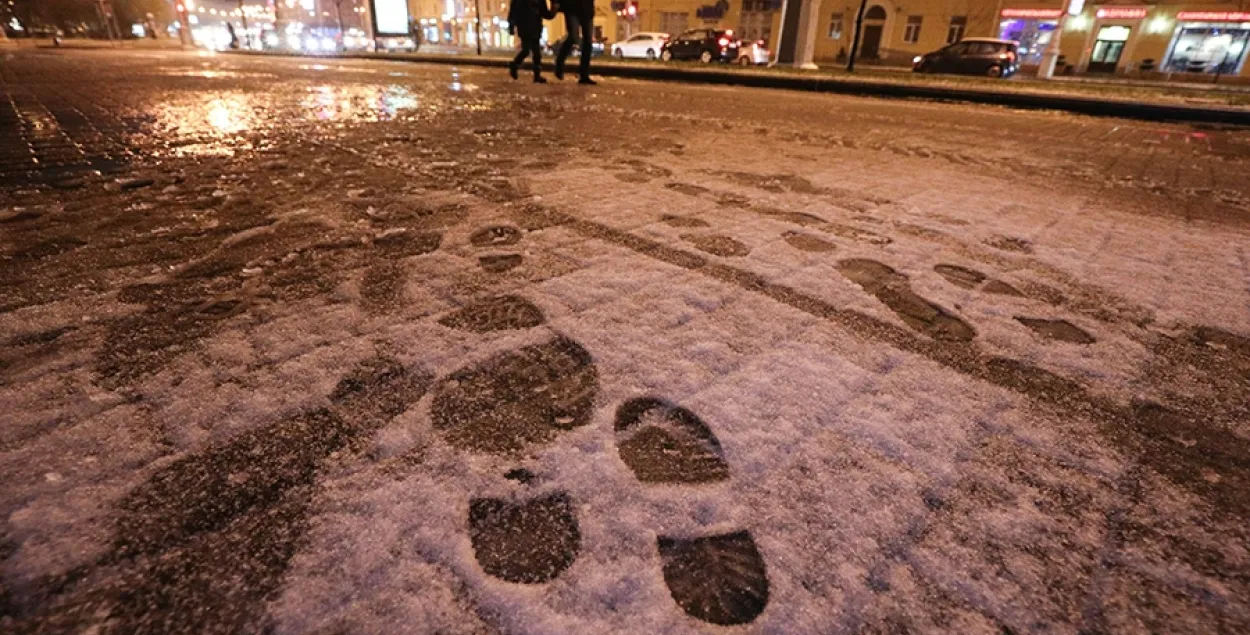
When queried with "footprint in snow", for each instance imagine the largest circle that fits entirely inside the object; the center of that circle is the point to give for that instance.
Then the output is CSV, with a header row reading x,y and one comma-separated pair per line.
x,y
493,237
529,396
1058,330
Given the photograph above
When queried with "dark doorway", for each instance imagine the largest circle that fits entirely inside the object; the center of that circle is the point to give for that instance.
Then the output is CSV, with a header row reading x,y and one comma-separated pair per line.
x,y
870,45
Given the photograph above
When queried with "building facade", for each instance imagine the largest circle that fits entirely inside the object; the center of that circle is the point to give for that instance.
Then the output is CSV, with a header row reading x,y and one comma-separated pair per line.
x,y
1178,39
894,31
455,22
451,22
1192,40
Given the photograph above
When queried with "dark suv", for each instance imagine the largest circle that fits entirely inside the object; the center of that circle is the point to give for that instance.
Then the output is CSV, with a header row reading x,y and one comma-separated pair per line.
x,y
704,45
973,56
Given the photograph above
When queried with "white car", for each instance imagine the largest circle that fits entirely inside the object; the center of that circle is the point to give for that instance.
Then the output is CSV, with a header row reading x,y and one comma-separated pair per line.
x,y
753,53
646,45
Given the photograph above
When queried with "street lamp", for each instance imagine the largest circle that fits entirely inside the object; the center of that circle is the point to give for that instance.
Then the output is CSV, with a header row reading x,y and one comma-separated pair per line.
x,y
184,22
1051,55
477,26
247,37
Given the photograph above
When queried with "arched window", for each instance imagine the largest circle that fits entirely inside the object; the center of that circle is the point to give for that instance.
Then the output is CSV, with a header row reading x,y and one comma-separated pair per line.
x,y
875,12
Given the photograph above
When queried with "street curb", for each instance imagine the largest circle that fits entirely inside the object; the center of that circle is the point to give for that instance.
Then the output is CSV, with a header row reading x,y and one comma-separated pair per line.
x,y
1145,111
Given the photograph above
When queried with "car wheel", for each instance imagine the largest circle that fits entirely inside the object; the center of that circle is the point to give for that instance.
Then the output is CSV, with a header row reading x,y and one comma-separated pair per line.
x,y
705,57
650,54
618,54
994,71
667,56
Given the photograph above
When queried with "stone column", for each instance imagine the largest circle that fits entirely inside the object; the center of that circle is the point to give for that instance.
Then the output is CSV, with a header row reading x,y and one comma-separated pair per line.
x,y
796,44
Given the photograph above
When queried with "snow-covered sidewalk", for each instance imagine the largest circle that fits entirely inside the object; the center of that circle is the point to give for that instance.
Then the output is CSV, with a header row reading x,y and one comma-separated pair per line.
x,y
383,351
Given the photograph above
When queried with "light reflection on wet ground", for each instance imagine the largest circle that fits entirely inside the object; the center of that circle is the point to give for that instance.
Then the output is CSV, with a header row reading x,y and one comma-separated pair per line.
x,y
360,103
218,106
208,73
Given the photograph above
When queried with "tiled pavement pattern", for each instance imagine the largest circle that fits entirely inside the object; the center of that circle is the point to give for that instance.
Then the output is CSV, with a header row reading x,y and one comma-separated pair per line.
x,y
384,348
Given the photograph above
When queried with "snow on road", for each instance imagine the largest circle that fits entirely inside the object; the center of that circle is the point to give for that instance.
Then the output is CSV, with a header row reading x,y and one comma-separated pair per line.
x,y
459,357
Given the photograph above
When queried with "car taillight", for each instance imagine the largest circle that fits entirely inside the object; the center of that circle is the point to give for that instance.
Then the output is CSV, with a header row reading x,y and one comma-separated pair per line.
x,y
724,41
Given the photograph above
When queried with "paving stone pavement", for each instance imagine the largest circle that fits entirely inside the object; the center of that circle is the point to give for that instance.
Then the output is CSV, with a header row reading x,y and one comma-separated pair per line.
x,y
362,347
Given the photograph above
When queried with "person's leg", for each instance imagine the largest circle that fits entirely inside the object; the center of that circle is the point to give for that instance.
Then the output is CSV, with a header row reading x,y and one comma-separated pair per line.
x,y
520,56
538,60
588,31
570,28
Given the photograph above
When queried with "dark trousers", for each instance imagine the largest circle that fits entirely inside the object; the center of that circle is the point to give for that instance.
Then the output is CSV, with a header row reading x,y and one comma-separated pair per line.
x,y
575,24
530,46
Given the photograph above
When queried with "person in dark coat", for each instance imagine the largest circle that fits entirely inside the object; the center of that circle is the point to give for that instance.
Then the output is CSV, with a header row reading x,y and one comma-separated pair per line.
x,y
579,20
525,19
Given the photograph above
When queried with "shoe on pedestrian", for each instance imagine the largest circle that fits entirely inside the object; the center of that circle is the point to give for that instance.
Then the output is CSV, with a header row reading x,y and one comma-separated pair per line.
x,y
539,79
560,70
587,81
512,70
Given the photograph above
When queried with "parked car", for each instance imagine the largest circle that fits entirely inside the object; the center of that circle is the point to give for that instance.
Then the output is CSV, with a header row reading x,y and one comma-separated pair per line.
x,y
753,53
646,45
596,48
705,45
972,56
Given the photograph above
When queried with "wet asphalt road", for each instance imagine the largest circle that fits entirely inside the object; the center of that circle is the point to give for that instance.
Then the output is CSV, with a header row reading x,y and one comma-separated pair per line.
x,y
69,111
228,282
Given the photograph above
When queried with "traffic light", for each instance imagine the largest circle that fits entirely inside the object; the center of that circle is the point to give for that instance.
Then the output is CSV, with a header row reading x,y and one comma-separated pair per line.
x,y
627,9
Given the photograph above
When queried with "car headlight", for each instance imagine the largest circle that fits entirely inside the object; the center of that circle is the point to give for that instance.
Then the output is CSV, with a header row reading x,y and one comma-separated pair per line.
x,y
916,59
327,44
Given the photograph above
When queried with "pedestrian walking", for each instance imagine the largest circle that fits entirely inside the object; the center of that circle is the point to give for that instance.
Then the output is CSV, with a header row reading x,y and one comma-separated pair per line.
x,y
525,20
579,18
234,39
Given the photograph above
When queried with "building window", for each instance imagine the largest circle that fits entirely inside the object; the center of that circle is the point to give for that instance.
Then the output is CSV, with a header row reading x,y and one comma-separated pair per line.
x,y
955,32
674,22
835,27
912,33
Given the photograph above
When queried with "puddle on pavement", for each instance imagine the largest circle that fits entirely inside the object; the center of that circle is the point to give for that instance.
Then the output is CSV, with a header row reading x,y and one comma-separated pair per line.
x,y
215,74
458,86
210,123
360,103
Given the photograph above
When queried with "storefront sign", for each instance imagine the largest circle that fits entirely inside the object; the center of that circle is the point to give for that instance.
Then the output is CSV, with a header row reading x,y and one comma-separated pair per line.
x,y
1121,13
1033,14
1213,16
390,17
